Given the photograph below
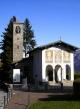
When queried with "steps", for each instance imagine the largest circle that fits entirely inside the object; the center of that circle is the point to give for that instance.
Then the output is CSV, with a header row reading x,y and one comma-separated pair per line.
x,y
67,86
52,83
67,83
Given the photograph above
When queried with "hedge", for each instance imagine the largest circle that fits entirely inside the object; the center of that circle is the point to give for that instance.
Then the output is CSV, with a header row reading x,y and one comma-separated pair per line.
x,y
76,87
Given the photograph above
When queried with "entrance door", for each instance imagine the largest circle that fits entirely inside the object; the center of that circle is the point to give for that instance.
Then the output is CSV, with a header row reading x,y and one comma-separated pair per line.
x,y
49,72
58,73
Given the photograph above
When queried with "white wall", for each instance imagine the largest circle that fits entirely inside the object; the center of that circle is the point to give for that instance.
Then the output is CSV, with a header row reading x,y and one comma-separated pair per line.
x,y
45,64
39,65
72,66
53,64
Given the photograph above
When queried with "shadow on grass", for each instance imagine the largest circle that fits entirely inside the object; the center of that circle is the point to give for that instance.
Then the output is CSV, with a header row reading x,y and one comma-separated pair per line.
x,y
61,97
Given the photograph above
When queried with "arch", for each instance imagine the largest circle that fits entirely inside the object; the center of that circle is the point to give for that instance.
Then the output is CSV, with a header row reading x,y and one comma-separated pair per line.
x,y
58,73
68,72
49,72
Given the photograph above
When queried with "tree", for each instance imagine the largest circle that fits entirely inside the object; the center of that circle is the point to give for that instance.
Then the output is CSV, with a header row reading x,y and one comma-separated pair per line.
x,y
7,47
28,37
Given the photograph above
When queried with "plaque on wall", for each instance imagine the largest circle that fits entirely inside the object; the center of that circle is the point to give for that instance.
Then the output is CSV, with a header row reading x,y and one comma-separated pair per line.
x,y
49,56
66,56
58,56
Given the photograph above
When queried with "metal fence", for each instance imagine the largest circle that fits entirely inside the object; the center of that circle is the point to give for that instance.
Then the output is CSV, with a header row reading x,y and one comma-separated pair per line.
x,y
5,98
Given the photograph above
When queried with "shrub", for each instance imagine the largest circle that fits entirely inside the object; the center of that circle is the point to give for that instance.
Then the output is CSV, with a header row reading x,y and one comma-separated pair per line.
x,y
76,87
76,76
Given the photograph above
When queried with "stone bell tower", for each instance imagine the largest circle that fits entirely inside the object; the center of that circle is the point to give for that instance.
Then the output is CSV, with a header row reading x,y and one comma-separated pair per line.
x,y
17,41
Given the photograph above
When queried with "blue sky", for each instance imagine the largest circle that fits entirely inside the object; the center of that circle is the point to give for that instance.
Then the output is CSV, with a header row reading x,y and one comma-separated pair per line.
x,y
50,19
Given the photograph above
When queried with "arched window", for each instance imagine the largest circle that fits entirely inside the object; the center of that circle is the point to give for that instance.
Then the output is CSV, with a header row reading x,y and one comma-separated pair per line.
x,y
49,72
68,72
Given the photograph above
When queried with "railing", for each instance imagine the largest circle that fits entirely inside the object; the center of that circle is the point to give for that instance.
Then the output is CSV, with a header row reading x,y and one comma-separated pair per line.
x,y
5,98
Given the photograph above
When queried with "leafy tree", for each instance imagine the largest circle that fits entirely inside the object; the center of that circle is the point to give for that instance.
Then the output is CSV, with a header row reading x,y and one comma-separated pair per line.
x,y
7,45
7,48
28,37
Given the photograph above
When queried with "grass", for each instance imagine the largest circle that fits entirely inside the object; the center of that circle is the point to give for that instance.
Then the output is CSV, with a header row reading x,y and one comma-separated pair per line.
x,y
56,105
58,102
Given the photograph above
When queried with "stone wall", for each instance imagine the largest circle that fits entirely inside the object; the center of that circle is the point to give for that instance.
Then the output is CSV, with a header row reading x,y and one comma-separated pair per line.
x,y
17,41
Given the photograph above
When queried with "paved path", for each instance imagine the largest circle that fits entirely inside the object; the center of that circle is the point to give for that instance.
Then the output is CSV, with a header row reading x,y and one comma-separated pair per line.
x,y
21,99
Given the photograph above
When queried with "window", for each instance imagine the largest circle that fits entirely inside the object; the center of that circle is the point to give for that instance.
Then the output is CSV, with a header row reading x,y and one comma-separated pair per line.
x,y
17,46
17,38
18,29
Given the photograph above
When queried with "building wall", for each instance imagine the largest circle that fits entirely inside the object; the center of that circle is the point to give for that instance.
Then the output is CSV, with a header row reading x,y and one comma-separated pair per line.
x,y
62,61
37,65
17,42
72,66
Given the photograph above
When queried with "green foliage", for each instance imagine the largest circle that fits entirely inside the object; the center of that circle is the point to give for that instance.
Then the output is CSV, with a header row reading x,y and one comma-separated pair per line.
x,y
28,37
7,48
76,87
76,84
77,76
7,44
56,105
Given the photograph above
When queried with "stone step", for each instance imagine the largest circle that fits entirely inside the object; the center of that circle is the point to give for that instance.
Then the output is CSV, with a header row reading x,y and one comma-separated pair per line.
x,y
67,83
53,83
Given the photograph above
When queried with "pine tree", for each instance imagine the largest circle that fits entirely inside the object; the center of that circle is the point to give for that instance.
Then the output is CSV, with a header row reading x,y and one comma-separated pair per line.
x,y
28,37
7,47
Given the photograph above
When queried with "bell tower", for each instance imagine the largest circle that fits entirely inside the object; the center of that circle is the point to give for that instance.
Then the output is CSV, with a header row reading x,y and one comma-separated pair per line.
x,y
17,41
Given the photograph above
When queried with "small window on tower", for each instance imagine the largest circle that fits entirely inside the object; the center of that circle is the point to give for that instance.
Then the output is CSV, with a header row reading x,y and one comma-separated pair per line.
x,y
17,38
17,46
18,29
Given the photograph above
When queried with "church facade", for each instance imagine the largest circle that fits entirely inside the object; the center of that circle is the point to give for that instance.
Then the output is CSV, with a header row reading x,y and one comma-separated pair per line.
x,y
53,63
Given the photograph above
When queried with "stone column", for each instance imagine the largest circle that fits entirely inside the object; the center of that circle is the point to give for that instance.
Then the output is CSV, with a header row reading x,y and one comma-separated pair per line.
x,y
53,75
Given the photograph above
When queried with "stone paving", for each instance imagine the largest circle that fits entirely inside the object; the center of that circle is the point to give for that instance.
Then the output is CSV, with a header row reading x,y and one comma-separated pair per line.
x,y
22,99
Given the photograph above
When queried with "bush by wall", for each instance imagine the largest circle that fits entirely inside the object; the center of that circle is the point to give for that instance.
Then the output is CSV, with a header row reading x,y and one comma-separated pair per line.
x,y
76,87
76,76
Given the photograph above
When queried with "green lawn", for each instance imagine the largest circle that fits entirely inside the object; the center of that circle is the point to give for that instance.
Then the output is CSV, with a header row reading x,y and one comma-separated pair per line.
x,y
56,105
58,102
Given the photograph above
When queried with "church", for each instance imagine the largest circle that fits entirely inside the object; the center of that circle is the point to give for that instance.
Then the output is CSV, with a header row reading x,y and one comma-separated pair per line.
x,y
52,63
